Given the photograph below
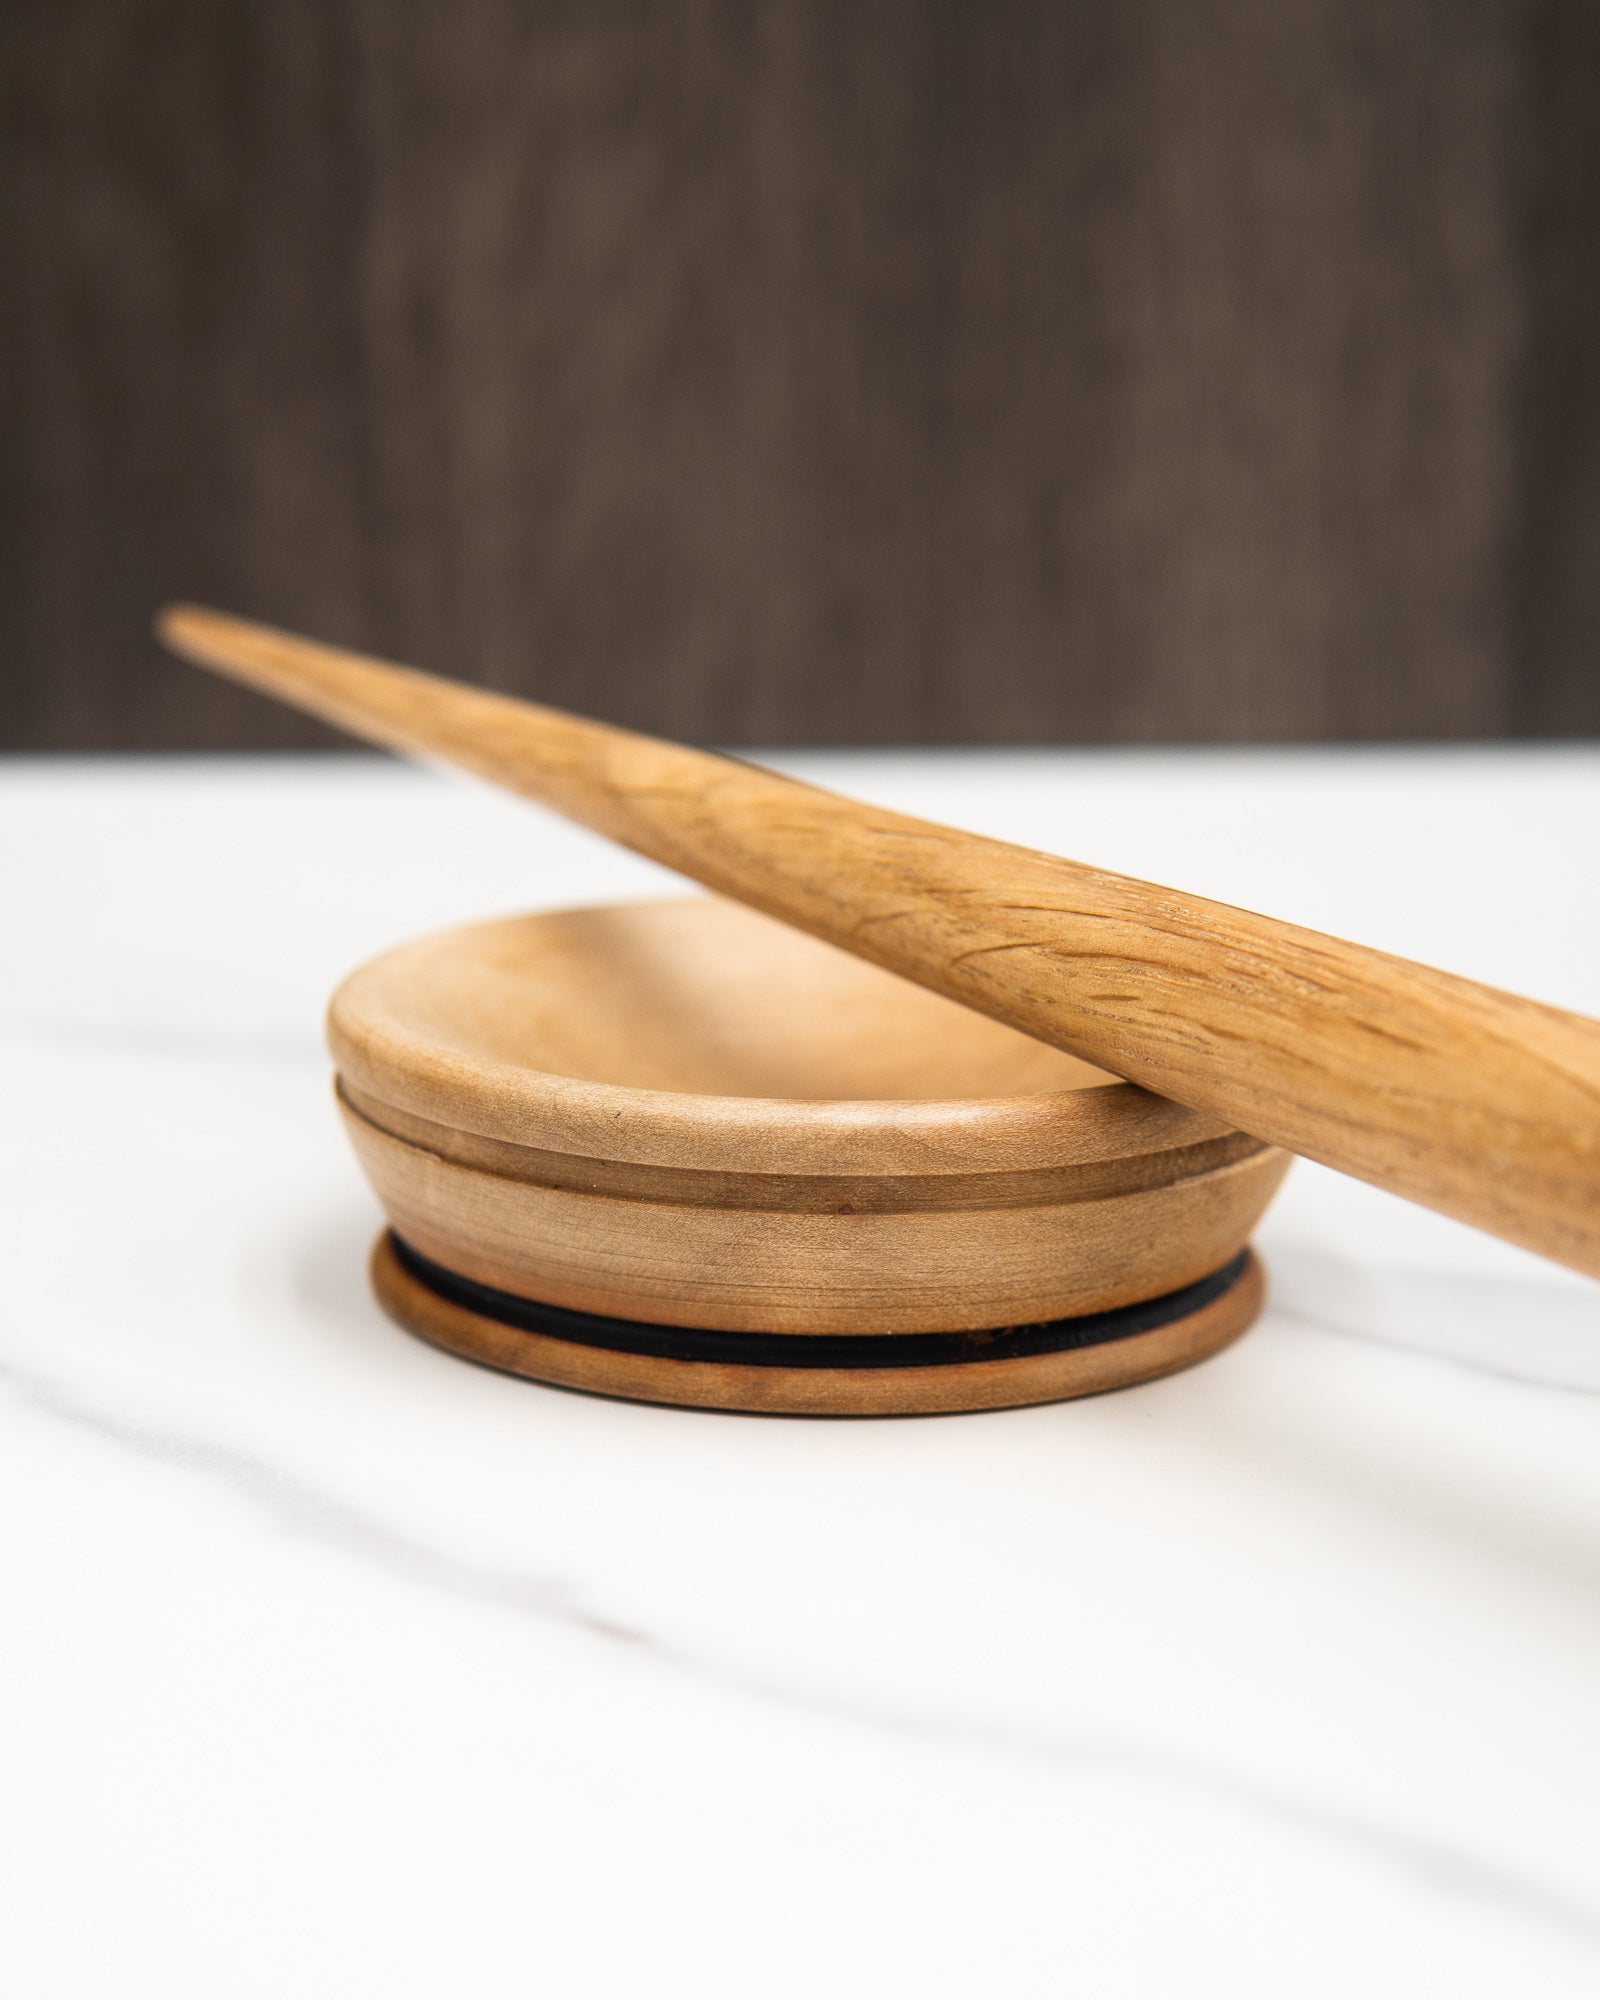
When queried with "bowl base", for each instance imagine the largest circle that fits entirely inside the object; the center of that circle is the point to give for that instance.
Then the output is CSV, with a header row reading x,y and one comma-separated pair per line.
x,y
817,1375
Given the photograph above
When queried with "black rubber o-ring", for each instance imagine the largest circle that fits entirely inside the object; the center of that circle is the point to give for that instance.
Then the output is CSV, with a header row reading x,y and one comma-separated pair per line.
x,y
814,1350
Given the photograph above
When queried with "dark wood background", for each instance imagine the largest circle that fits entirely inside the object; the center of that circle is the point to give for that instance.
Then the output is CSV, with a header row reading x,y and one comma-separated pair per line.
x,y
854,371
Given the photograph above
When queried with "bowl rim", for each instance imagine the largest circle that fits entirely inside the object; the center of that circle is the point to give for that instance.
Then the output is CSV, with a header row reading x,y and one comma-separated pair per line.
x,y
391,1062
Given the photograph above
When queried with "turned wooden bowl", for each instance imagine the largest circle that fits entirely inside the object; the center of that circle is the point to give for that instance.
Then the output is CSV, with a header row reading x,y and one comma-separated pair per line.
x,y
680,1152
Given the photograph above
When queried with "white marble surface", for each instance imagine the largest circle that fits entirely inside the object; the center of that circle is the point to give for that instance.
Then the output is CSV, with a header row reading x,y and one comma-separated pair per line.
x,y
334,1666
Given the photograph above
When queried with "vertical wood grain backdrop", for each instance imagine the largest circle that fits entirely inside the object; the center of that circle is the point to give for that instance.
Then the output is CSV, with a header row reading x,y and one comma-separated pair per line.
x,y
859,370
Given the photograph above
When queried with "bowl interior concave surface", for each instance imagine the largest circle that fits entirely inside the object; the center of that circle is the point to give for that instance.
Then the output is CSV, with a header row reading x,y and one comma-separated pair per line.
x,y
701,997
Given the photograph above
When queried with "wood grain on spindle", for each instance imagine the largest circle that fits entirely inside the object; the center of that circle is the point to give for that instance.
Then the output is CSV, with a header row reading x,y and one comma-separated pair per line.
x,y
1469,1100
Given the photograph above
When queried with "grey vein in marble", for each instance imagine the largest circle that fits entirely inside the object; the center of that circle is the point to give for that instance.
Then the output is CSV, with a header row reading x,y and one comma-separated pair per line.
x,y
164,1041
301,1509
1540,1336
